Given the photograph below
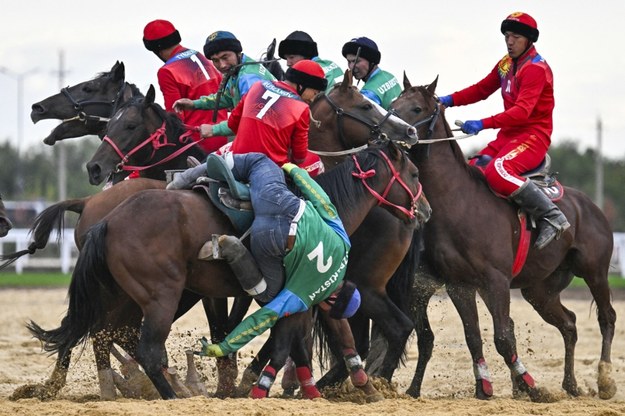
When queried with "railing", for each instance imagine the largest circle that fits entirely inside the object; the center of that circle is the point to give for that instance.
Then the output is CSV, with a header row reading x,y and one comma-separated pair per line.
x,y
54,257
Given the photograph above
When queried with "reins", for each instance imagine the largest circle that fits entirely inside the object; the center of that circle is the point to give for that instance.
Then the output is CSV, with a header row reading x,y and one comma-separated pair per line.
x,y
79,106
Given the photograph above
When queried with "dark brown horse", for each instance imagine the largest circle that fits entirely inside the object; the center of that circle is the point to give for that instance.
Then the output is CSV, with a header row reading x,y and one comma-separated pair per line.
x,y
86,107
370,124
470,246
158,259
5,222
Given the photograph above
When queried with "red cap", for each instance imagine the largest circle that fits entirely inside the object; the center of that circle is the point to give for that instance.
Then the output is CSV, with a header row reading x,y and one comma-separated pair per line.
x,y
521,23
160,34
309,67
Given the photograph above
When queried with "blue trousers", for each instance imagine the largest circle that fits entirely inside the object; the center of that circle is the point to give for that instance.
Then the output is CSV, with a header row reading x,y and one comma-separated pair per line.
x,y
275,206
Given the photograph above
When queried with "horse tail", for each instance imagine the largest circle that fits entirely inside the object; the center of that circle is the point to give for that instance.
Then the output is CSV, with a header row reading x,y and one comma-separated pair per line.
x,y
85,309
50,219
321,341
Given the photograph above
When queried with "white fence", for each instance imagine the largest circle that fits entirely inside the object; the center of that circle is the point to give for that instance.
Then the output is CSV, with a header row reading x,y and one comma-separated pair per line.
x,y
63,256
53,257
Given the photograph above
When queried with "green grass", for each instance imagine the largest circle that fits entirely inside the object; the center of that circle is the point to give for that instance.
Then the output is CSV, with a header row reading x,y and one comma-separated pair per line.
x,y
29,280
53,279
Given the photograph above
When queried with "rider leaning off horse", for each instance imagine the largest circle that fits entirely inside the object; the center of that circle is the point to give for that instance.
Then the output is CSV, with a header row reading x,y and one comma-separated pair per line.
x,y
240,73
363,57
526,83
299,253
185,73
298,46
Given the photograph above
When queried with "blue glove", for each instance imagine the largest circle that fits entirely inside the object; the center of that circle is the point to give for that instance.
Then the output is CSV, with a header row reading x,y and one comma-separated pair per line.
x,y
472,126
446,100
209,350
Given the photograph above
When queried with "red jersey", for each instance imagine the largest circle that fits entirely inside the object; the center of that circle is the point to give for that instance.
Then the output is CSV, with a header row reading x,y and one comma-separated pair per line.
x,y
188,74
527,89
271,119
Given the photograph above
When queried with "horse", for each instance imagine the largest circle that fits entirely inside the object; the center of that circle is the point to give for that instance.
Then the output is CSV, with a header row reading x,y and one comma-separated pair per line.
x,y
5,222
158,259
86,107
476,252
370,123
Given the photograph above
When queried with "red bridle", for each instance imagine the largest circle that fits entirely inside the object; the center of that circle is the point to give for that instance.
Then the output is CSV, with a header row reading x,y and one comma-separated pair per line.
x,y
362,175
158,139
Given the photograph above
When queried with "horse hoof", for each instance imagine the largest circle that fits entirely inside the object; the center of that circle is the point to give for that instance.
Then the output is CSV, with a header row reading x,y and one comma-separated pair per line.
x,y
32,391
606,384
372,395
483,390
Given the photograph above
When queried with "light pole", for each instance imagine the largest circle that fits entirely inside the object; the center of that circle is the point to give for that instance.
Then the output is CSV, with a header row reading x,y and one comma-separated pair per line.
x,y
19,77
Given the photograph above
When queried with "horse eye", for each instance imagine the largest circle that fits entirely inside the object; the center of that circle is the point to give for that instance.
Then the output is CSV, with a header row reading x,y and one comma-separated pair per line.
x,y
367,106
87,89
417,110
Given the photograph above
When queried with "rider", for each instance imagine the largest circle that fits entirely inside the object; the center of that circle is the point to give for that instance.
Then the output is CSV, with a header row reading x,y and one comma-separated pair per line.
x,y
186,73
363,57
298,46
241,72
273,118
299,253
526,83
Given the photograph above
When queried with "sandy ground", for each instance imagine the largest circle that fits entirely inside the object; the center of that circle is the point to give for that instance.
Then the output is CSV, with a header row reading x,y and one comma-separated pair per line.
x,y
448,388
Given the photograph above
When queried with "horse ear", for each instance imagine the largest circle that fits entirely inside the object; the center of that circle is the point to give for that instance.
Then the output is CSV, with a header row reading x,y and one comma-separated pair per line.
x,y
119,71
407,83
347,80
149,97
432,86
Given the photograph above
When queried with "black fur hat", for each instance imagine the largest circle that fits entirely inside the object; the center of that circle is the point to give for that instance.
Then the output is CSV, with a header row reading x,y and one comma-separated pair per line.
x,y
298,43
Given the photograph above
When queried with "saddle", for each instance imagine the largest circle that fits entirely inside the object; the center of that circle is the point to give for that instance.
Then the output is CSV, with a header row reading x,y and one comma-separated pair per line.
x,y
541,176
227,194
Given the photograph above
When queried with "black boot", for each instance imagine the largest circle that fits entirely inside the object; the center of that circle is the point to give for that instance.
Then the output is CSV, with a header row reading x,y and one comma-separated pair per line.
x,y
550,220
241,262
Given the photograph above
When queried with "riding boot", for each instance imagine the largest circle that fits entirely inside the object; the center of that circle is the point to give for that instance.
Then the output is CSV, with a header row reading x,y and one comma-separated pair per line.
x,y
187,178
551,221
239,258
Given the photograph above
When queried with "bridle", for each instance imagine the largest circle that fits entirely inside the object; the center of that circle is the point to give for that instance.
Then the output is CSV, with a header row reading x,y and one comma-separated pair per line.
x,y
158,139
79,106
362,175
375,129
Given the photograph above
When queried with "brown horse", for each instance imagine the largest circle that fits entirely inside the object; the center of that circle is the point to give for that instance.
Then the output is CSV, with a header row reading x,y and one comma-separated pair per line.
x,y
158,259
369,125
475,253
5,222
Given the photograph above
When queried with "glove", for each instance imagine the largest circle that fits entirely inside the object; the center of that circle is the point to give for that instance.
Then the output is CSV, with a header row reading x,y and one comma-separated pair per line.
x,y
472,126
446,100
209,350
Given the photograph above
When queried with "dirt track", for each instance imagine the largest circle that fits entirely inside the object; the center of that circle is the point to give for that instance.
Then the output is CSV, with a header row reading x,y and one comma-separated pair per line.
x,y
448,388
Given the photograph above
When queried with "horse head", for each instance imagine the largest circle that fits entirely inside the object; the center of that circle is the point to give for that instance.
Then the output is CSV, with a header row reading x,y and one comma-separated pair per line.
x,y
85,107
344,119
141,133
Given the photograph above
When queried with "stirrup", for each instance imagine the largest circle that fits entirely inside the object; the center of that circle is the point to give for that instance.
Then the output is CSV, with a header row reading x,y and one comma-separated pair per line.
x,y
210,249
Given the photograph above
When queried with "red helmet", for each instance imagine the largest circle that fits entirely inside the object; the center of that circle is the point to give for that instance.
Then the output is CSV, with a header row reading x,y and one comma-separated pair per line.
x,y
308,74
521,23
159,35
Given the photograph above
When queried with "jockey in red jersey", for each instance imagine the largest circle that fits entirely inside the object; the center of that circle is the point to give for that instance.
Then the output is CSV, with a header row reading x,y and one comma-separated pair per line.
x,y
526,83
274,117
186,73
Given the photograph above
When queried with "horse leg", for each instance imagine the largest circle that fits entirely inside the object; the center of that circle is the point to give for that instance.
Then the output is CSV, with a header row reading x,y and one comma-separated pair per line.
x,y
597,282
158,317
422,293
464,300
51,387
497,299
341,333
217,314
549,307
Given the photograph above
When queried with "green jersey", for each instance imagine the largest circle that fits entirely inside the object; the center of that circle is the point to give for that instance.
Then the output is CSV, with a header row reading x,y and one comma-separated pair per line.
x,y
382,87
332,71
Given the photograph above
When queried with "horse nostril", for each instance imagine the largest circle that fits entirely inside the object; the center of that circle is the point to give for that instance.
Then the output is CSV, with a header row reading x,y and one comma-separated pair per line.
x,y
412,133
38,108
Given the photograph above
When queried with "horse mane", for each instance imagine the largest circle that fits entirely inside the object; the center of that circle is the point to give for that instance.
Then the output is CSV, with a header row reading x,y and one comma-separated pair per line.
x,y
339,183
174,126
